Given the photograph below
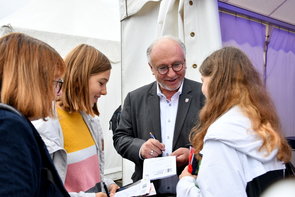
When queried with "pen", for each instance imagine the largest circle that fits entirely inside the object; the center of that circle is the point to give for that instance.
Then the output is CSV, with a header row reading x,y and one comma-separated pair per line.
x,y
152,136
106,189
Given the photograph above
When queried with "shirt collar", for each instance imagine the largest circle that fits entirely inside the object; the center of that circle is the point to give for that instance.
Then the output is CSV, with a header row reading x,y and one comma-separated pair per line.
x,y
159,92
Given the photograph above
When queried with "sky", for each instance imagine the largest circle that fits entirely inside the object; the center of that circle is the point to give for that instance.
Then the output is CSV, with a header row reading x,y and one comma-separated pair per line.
x,y
88,18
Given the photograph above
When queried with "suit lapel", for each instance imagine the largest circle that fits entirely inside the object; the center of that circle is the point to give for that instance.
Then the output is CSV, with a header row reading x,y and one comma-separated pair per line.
x,y
154,112
183,106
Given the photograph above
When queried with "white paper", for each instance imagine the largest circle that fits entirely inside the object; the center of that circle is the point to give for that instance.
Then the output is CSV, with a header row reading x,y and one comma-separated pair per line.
x,y
152,190
159,167
139,188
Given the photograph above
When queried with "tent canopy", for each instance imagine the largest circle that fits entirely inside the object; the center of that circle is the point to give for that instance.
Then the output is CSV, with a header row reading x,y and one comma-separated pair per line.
x,y
281,10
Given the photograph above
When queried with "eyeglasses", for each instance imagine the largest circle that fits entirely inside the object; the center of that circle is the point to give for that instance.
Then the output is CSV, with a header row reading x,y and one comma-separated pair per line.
x,y
58,85
164,69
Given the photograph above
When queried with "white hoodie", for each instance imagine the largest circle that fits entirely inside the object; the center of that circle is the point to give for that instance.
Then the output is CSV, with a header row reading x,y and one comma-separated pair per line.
x,y
231,159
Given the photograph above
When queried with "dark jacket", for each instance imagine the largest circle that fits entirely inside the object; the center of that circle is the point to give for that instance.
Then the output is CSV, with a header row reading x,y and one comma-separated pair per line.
x,y
26,168
141,115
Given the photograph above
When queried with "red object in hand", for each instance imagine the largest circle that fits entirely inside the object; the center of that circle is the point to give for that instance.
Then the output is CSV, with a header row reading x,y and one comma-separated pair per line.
x,y
190,160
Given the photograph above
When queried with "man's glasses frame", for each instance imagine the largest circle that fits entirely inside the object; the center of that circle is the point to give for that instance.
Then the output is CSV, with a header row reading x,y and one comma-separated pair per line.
x,y
176,67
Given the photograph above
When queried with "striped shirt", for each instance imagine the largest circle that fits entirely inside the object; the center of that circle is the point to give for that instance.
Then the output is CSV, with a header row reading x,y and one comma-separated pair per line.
x,y
83,170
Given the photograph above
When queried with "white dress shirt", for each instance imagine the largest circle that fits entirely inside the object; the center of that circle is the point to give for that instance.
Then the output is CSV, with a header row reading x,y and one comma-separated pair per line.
x,y
168,113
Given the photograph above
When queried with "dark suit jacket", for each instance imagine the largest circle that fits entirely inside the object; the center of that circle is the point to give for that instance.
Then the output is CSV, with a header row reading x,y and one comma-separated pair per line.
x,y
141,115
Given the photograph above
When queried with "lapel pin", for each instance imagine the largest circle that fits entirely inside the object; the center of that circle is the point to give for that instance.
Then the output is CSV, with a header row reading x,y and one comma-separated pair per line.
x,y
186,100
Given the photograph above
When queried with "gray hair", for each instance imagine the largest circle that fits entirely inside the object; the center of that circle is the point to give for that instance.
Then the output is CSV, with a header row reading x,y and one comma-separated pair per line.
x,y
169,37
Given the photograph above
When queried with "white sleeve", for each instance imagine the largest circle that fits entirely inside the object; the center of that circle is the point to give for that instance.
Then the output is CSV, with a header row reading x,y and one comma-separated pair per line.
x,y
186,187
221,172
50,132
109,181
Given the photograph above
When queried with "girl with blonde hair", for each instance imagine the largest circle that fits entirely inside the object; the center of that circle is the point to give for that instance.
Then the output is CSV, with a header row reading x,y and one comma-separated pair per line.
x,y
30,72
77,143
238,136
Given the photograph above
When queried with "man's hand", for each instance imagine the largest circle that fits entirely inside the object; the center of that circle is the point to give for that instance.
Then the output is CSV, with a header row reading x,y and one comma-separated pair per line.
x,y
151,148
182,155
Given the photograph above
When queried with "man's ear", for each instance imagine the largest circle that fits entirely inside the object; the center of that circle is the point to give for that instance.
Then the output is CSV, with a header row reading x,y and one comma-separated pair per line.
x,y
150,66
152,69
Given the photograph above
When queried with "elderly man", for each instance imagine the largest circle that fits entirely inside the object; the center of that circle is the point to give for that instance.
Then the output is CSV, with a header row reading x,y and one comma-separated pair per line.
x,y
168,108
